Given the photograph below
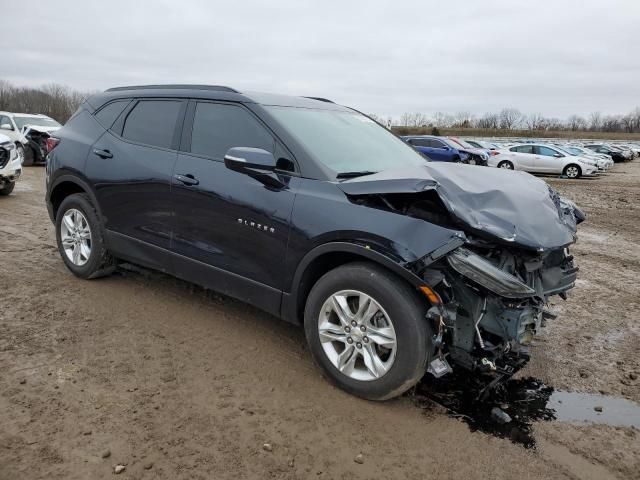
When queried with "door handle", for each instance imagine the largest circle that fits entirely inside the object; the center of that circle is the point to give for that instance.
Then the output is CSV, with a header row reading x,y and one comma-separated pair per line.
x,y
186,179
102,153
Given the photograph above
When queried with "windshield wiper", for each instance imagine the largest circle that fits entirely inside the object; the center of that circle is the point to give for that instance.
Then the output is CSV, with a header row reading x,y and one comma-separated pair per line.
x,y
354,174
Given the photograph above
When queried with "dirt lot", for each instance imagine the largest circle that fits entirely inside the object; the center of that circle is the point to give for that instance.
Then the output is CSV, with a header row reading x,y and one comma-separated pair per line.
x,y
175,382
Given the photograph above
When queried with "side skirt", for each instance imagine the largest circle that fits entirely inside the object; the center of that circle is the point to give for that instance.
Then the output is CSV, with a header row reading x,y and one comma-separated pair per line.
x,y
145,254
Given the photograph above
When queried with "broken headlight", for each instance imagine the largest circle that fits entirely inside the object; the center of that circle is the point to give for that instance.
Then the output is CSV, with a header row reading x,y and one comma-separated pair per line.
x,y
481,271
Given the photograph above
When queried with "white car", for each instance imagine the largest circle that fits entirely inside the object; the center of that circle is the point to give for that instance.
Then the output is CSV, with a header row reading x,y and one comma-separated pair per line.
x,y
603,161
539,158
29,133
10,166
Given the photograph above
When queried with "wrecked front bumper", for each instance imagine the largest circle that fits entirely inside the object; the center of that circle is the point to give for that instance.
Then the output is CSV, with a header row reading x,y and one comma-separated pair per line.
x,y
492,304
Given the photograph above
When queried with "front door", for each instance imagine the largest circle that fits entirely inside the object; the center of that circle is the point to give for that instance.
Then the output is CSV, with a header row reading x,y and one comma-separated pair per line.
x,y
223,219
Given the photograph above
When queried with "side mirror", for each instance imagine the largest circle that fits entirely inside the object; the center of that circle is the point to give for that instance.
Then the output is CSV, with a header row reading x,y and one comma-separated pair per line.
x,y
558,155
445,147
249,160
6,126
257,163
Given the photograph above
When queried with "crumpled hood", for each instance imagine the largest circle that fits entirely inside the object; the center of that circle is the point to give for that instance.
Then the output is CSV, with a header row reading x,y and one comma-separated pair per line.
x,y
38,128
510,206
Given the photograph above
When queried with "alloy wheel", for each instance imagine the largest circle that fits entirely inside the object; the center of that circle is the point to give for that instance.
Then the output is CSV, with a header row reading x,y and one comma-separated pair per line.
x,y
572,172
357,335
75,235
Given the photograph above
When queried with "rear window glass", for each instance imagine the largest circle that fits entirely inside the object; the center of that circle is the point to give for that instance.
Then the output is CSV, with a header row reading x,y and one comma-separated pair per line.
x,y
152,122
110,112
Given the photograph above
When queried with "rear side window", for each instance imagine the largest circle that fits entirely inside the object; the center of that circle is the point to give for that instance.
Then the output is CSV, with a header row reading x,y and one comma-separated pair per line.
x,y
218,127
420,142
110,112
522,149
152,122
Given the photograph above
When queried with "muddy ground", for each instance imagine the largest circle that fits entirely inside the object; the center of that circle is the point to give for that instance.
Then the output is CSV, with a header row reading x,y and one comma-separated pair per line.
x,y
175,382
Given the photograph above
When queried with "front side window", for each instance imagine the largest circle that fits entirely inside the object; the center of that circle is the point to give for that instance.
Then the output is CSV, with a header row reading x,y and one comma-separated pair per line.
x,y
345,141
5,121
152,122
217,127
546,151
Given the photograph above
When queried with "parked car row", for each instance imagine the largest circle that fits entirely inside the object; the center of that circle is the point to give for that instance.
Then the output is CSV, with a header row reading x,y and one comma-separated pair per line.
x,y
448,149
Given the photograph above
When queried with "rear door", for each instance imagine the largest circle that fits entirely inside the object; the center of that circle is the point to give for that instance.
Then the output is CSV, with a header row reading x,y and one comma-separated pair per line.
x,y
130,167
523,157
235,227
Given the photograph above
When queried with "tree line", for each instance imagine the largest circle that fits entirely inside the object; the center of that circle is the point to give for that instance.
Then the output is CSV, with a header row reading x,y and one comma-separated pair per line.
x,y
54,100
514,119
59,102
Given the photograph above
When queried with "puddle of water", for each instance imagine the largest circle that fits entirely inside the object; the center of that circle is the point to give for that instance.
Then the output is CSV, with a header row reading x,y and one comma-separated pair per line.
x,y
525,401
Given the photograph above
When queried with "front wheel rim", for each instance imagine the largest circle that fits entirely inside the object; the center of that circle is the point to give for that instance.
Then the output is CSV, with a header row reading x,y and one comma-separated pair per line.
x,y
506,166
572,172
75,235
357,335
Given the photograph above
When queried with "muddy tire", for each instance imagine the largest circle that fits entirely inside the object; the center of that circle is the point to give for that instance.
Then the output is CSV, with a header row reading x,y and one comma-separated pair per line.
x,y
367,331
7,189
28,156
572,171
80,238
506,164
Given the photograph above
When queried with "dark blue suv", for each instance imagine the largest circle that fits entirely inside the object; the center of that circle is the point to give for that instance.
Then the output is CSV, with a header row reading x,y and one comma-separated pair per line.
x,y
314,213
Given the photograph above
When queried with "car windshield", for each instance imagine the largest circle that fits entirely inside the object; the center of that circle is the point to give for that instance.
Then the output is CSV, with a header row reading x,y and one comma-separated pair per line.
x,y
564,150
576,151
461,143
35,121
346,142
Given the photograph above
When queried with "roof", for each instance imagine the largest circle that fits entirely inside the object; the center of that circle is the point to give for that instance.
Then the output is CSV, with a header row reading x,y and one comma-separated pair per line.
x,y
34,115
212,92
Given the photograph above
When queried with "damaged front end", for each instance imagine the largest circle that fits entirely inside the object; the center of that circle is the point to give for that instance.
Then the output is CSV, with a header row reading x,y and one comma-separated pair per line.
x,y
489,292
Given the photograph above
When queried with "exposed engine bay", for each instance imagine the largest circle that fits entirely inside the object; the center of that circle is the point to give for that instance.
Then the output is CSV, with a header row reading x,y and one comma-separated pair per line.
x,y
37,144
493,284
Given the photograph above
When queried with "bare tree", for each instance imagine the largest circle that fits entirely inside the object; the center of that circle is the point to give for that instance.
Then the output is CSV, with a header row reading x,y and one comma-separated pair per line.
x,y
576,122
510,118
462,120
595,121
489,121
535,121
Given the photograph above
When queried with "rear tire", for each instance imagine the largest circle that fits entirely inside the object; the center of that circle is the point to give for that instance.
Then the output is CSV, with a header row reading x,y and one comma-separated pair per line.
x,y
93,259
401,354
506,164
572,171
7,189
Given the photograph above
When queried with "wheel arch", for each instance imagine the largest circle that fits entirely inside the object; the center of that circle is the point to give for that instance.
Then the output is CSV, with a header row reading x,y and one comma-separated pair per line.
x,y
326,257
66,185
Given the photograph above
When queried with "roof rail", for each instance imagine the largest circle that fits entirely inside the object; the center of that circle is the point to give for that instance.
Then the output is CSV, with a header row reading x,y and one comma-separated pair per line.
x,y
320,99
218,88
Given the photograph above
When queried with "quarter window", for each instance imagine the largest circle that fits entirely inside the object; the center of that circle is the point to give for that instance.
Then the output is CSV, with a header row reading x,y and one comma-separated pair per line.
x,y
217,127
152,122
108,114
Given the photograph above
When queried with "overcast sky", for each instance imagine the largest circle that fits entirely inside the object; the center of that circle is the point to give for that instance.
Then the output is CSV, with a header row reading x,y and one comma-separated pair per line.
x,y
551,57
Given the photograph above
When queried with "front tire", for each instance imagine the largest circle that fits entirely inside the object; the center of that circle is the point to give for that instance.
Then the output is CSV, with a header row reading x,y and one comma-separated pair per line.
x,y
7,189
367,331
572,171
506,164
80,238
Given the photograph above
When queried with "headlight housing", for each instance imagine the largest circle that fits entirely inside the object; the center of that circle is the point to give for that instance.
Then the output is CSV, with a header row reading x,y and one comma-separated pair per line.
x,y
483,272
